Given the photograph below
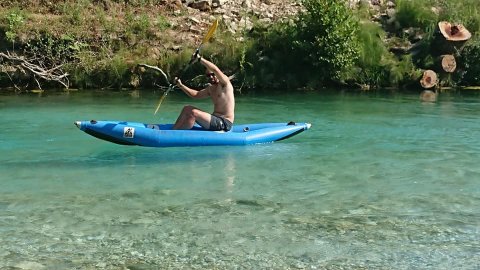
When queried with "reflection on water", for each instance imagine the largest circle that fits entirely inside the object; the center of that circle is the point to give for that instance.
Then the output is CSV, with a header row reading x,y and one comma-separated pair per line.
x,y
230,172
382,182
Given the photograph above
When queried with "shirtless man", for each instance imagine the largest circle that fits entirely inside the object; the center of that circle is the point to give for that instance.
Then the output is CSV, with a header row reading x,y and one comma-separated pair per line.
x,y
220,91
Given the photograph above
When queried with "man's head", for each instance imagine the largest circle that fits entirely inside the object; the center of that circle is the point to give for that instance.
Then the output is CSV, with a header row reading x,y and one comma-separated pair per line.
x,y
211,77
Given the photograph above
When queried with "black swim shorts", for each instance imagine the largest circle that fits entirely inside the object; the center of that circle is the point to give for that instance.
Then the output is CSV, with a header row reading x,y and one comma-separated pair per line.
x,y
219,123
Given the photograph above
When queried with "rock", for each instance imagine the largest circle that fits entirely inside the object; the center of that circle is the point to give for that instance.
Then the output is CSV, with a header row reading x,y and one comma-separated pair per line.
x,y
101,265
196,30
202,5
154,52
194,20
30,265
217,3
174,5
245,24
246,3
353,3
391,4
176,48
391,12
265,21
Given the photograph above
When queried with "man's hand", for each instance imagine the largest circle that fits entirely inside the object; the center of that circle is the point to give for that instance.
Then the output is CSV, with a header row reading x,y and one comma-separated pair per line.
x,y
177,81
195,57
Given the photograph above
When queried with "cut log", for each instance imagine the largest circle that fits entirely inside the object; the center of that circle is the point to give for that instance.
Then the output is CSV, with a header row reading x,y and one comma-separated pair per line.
x,y
446,63
454,32
449,38
429,79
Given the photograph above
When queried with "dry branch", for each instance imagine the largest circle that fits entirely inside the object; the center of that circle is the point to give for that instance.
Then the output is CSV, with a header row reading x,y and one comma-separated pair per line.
x,y
53,74
157,69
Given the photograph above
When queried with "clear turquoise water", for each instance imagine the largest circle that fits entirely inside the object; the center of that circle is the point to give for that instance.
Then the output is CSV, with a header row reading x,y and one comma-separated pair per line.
x,y
381,181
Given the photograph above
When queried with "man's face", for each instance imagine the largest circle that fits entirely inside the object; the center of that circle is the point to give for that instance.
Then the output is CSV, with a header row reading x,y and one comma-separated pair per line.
x,y
211,77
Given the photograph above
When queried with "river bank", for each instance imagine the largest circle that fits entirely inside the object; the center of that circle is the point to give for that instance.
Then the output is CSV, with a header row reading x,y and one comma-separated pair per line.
x,y
99,44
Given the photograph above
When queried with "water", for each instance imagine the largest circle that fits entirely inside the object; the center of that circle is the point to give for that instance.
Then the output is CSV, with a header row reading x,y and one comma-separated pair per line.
x,y
381,181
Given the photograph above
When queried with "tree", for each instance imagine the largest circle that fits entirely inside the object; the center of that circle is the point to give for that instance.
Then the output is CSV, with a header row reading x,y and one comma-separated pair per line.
x,y
326,37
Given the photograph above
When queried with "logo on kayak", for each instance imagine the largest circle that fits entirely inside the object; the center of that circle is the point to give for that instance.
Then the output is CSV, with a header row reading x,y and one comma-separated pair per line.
x,y
128,132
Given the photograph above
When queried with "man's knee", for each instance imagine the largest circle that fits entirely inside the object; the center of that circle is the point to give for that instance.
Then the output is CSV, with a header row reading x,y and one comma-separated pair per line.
x,y
190,111
196,112
188,108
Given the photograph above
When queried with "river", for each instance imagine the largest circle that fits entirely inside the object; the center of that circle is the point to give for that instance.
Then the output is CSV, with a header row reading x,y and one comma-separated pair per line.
x,y
380,181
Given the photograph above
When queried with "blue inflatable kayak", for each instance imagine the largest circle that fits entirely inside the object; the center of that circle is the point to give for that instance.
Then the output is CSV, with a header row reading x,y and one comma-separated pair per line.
x,y
162,135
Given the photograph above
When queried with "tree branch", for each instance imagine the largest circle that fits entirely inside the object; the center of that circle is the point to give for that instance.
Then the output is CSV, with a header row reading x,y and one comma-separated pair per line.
x,y
157,69
53,74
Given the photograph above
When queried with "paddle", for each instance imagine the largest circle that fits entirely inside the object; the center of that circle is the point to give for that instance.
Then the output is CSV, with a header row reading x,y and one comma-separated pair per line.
x,y
207,37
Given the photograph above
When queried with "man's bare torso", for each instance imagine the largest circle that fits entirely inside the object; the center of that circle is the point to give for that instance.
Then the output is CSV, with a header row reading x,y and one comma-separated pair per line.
x,y
223,100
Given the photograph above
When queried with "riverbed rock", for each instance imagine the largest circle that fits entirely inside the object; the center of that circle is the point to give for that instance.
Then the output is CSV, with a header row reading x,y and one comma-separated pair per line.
x,y
27,265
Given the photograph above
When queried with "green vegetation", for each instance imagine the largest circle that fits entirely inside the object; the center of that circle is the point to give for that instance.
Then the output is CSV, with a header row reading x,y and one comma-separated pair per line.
x,y
99,43
316,49
376,65
469,74
326,36
15,20
416,14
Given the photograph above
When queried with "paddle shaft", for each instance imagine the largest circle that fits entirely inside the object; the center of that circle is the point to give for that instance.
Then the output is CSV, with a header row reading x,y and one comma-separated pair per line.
x,y
207,37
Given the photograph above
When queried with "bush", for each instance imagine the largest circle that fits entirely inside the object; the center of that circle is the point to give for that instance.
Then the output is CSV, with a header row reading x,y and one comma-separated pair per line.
x,y
15,20
469,70
51,51
376,65
326,37
416,13
315,49
369,68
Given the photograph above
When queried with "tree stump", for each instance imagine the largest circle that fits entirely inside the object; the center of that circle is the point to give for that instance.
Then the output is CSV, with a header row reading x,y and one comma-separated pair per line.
x,y
449,38
446,63
429,79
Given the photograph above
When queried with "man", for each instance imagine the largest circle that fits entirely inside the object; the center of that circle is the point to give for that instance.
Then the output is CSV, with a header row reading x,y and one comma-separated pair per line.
x,y
220,91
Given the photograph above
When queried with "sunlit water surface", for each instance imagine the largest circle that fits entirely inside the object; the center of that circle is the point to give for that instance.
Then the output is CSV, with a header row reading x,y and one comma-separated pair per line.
x,y
380,181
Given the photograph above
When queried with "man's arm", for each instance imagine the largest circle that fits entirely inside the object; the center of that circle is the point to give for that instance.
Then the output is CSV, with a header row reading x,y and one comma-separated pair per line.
x,y
191,92
222,78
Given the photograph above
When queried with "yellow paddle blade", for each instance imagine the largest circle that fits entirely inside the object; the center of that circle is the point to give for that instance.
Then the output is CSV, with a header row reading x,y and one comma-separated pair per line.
x,y
170,88
160,103
211,31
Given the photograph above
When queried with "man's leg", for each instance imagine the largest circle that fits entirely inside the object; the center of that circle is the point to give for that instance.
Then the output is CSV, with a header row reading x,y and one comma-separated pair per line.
x,y
189,116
